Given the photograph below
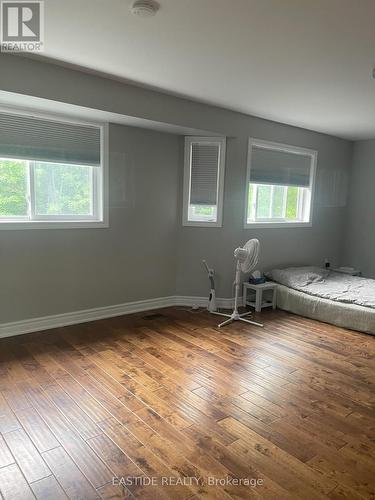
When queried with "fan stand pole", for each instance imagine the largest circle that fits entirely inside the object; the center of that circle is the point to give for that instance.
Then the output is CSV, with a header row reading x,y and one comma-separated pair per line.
x,y
235,316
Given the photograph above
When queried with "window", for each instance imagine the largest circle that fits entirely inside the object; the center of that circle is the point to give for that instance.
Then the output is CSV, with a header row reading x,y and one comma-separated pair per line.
x,y
280,184
52,173
203,181
271,203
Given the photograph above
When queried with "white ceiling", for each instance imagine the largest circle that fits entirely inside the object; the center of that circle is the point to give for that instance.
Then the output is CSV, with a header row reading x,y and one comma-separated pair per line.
x,y
303,62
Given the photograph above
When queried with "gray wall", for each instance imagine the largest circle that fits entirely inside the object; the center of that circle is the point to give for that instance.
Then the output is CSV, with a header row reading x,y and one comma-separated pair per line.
x,y
51,271
67,259
359,239
279,247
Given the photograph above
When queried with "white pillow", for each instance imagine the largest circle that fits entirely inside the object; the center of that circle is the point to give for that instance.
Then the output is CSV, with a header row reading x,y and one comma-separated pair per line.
x,y
295,277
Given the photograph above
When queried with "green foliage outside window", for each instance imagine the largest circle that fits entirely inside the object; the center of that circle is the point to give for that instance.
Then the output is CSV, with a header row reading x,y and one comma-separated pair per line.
x,y
263,202
278,201
62,189
291,203
13,188
59,189
204,210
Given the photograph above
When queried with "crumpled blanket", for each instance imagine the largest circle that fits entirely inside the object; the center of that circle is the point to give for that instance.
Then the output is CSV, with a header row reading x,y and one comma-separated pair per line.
x,y
328,284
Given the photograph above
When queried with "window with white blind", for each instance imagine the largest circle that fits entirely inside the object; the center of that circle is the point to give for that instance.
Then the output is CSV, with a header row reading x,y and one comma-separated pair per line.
x,y
203,181
280,185
52,172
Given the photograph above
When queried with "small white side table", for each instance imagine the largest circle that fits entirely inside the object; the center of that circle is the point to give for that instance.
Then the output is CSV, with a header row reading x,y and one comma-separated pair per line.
x,y
260,302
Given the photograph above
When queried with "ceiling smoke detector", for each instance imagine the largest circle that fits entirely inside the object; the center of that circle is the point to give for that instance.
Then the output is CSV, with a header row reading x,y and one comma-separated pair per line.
x,y
144,8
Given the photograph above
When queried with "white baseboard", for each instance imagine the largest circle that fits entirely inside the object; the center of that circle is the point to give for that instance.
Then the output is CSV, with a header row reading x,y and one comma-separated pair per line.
x,y
186,300
84,316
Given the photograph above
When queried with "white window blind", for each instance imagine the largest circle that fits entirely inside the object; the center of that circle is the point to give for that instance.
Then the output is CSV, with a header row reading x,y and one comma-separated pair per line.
x,y
38,139
281,168
203,181
204,173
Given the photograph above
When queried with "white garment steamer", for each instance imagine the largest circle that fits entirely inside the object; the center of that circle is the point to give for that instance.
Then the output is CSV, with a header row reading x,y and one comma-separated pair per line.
x,y
211,306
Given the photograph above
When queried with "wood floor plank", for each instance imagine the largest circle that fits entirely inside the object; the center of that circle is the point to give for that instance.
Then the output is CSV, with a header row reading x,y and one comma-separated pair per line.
x,y
48,489
150,464
29,460
13,485
31,366
295,477
6,458
168,394
188,462
88,462
115,387
68,475
14,397
233,463
79,419
113,492
119,463
83,398
8,422
36,428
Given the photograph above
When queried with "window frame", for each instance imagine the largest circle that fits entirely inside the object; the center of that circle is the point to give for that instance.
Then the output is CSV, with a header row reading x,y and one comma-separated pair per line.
x,y
189,140
272,223
100,217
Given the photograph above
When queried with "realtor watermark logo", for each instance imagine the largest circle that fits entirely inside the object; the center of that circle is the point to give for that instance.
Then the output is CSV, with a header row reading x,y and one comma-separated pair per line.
x,y
22,26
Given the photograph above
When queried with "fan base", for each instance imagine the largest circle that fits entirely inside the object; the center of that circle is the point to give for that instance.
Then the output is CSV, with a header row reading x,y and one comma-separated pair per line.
x,y
235,316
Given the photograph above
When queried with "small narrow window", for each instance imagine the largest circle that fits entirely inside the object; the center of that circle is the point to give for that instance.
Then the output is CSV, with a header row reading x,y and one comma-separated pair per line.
x,y
203,181
280,184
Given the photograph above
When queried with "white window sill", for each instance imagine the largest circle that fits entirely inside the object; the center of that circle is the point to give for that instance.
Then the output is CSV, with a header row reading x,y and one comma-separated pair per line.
x,y
262,225
201,224
70,224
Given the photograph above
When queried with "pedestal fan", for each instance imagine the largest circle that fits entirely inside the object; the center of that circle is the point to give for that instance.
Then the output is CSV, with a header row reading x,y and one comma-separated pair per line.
x,y
246,259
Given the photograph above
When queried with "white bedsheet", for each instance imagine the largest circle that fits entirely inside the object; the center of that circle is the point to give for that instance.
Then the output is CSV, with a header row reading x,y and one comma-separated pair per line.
x,y
328,285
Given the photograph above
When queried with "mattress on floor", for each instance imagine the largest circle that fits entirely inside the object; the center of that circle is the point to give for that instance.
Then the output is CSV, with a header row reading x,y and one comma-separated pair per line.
x,y
328,284
350,316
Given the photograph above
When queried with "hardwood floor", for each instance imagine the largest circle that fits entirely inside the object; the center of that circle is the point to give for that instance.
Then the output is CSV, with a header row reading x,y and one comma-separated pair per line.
x,y
99,410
